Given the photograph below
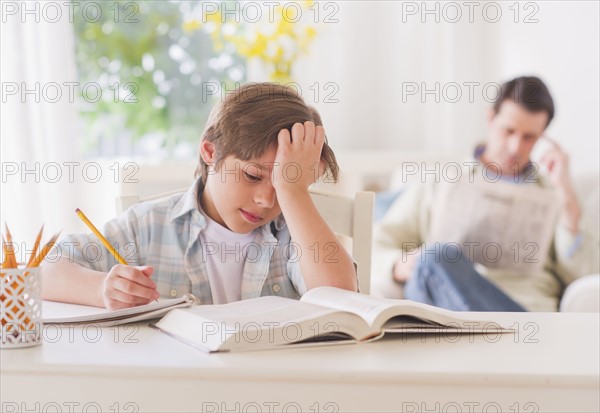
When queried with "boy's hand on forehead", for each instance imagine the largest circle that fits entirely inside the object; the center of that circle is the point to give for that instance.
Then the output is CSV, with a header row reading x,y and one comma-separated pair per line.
x,y
298,159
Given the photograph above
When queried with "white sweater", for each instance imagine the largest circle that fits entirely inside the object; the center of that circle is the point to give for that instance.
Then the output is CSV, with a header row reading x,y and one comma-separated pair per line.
x,y
408,220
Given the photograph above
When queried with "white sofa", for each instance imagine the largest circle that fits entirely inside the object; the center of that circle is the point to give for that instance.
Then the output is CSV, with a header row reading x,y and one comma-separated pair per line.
x,y
583,295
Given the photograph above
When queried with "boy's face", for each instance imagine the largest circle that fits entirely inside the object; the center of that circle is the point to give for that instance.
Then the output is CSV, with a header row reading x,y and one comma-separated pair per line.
x,y
513,132
239,194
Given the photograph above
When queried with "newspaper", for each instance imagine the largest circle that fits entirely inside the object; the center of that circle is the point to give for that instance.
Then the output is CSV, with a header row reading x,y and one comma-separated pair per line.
x,y
499,224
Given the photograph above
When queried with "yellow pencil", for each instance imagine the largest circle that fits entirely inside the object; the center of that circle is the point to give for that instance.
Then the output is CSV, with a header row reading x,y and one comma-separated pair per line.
x,y
34,262
97,233
104,241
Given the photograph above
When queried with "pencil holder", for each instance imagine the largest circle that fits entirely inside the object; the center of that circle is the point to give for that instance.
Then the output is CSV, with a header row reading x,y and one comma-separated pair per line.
x,y
21,307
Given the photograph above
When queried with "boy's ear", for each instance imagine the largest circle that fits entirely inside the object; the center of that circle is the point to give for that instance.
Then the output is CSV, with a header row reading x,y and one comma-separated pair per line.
x,y
207,151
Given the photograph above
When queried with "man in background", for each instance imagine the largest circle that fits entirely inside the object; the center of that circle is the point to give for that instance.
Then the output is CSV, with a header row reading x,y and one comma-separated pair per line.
x,y
517,121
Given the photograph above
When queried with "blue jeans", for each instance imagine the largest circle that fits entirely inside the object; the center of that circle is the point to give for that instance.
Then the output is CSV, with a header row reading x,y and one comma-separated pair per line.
x,y
454,284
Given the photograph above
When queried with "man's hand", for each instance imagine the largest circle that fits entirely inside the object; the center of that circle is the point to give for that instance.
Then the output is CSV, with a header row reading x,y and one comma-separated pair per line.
x,y
127,286
405,266
556,162
298,159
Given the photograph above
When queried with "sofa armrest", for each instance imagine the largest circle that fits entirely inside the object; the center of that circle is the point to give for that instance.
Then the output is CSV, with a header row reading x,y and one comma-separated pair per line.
x,y
582,295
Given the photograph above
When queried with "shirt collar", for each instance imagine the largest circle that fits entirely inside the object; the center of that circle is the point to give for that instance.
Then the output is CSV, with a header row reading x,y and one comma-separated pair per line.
x,y
479,150
528,171
188,203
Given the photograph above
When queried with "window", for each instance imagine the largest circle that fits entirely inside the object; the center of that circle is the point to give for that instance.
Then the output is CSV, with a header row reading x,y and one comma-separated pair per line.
x,y
147,79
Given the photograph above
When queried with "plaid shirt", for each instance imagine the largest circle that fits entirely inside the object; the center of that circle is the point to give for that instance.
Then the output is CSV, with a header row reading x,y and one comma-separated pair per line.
x,y
164,234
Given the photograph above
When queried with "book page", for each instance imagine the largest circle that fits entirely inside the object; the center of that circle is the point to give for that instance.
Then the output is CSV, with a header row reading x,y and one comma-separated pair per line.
x,y
395,315
496,224
55,312
259,323
365,306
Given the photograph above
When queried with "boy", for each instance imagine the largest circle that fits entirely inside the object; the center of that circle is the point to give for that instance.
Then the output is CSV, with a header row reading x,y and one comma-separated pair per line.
x,y
226,238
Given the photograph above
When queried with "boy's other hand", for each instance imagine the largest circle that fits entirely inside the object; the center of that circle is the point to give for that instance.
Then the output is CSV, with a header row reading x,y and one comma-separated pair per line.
x,y
127,286
298,159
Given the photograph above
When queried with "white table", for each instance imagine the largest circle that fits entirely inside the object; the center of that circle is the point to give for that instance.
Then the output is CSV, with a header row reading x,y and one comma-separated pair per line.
x,y
552,364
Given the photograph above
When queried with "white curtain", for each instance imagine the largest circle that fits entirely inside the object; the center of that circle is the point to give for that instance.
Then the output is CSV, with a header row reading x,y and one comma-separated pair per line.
x,y
39,134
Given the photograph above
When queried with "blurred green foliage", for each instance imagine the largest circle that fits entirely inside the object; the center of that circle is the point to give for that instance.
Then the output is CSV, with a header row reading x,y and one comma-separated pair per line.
x,y
151,74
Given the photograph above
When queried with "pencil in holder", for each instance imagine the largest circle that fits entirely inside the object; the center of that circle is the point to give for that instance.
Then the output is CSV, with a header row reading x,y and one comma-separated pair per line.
x,y
21,307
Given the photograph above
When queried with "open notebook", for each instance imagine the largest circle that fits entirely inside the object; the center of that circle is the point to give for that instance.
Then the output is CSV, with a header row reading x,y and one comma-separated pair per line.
x,y
61,313
323,315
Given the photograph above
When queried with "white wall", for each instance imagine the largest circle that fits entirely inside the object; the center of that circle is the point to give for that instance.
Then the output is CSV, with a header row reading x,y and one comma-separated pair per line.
x,y
370,53
563,48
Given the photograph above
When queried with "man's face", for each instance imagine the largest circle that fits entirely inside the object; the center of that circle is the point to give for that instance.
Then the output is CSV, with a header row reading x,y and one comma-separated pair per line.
x,y
513,132
239,194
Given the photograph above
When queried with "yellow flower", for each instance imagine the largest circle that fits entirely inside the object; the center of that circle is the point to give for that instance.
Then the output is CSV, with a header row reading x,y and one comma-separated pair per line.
x,y
191,25
278,46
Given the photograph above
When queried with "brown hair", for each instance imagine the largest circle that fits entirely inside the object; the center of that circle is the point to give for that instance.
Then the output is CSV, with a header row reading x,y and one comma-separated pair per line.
x,y
249,119
529,92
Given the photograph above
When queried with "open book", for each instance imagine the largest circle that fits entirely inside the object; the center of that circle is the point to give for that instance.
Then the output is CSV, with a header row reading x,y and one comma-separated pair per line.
x,y
322,315
62,313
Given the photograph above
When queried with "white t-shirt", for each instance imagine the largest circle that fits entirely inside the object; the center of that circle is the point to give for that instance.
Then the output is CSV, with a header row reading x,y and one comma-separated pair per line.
x,y
225,254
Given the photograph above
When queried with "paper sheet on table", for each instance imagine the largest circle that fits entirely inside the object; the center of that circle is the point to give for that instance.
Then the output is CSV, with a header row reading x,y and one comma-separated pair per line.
x,y
63,313
501,225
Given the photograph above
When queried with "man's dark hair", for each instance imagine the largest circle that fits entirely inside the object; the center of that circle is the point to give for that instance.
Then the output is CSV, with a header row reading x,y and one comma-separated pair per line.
x,y
529,92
